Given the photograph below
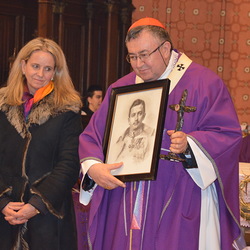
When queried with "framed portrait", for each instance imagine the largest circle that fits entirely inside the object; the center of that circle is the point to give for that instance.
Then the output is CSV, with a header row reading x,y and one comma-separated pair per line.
x,y
134,129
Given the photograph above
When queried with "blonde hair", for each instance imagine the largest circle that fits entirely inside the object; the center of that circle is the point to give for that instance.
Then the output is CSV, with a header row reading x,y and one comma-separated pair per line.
x,y
65,93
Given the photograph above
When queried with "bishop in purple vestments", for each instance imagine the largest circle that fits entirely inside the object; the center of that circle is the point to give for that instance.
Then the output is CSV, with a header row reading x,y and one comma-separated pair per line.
x,y
189,206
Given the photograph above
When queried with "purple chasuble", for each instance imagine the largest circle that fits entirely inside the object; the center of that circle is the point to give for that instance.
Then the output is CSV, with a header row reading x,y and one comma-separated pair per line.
x,y
171,205
245,149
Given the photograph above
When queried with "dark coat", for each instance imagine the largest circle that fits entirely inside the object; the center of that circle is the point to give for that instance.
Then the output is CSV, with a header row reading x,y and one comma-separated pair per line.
x,y
40,157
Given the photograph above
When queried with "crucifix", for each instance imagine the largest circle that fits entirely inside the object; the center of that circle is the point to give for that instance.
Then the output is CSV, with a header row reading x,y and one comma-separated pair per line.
x,y
180,108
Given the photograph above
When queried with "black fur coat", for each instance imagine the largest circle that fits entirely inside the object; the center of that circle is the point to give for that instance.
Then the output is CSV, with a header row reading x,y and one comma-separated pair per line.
x,y
39,157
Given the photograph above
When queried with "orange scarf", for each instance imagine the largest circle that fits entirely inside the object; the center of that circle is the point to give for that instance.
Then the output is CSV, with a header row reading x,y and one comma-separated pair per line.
x,y
29,99
42,92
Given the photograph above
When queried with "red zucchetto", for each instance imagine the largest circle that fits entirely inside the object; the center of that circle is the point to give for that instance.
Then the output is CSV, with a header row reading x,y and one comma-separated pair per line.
x,y
146,21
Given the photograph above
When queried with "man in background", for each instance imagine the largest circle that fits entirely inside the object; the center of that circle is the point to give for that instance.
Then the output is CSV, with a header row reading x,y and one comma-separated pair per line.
x,y
93,100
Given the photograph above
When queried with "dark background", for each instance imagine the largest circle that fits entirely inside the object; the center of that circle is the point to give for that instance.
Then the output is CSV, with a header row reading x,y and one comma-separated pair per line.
x,y
91,34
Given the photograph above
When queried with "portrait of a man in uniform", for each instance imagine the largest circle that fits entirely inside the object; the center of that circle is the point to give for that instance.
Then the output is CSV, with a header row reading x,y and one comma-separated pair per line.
x,y
136,141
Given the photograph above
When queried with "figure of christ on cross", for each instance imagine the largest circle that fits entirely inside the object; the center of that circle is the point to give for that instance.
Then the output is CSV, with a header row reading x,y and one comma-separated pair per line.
x,y
180,108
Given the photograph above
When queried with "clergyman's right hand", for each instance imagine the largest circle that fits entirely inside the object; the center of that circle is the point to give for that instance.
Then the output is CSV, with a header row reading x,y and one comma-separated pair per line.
x,y
101,174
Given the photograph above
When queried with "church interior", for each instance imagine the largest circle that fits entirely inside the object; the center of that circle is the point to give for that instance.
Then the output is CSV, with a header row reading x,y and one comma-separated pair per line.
x,y
91,33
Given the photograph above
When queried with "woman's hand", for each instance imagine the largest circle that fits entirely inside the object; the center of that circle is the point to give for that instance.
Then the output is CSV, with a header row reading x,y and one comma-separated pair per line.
x,y
18,212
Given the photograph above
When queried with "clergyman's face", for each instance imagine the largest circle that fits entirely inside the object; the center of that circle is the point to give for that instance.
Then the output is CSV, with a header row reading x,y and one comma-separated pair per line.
x,y
136,117
153,67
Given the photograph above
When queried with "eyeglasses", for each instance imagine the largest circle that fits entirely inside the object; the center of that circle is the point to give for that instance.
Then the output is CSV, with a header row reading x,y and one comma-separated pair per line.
x,y
143,56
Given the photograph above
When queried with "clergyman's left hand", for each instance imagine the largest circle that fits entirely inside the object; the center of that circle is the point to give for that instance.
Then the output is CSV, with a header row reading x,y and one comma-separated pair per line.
x,y
178,141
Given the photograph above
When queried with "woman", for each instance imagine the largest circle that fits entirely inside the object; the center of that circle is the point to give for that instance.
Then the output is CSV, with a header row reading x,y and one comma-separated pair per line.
x,y
39,164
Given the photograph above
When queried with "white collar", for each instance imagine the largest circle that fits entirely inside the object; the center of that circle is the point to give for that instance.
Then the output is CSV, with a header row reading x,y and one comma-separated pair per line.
x,y
172,61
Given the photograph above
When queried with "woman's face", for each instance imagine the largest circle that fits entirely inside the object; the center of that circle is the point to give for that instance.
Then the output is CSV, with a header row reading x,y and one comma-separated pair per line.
x,y
39,69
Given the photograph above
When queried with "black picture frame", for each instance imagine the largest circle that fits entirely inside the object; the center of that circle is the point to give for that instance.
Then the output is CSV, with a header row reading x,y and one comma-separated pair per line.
x,y
138,150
